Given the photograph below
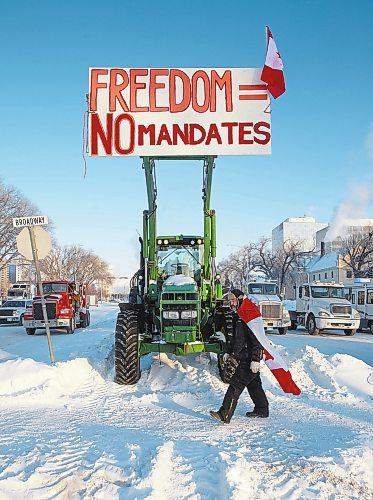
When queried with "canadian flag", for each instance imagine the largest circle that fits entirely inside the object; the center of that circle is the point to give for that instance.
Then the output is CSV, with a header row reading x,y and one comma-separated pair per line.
x,y
250,314
273,70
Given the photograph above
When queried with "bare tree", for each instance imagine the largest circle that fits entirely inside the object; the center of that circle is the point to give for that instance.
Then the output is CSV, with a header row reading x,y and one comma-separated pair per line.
x,y
75,263
280,264
12,204
238,266
357,254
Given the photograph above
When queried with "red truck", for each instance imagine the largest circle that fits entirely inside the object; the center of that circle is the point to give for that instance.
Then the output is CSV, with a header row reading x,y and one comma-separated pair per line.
x,y
66,307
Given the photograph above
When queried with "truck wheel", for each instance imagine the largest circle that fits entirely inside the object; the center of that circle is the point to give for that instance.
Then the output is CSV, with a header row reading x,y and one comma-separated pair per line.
x,y
30,331
71,327
293,325
84,323
88,316
349,333
371,328
311,325
282,331
21,320
127,359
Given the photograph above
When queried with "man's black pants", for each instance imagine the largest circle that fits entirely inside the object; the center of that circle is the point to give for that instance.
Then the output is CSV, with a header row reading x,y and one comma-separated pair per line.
x,y
243,377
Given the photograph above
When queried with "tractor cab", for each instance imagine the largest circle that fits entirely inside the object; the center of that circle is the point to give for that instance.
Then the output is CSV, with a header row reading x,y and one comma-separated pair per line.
x,y
179,260
180,255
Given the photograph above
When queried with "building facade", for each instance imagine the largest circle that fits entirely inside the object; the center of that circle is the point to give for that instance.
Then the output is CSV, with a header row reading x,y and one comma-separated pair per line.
x,y
333,237
300,230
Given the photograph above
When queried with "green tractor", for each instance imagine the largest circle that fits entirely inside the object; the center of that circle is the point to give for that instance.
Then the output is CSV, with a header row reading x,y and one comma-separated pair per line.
x,y
175,304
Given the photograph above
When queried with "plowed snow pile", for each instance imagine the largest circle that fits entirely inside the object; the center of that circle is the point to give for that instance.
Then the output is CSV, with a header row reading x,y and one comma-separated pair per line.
x,y
67,431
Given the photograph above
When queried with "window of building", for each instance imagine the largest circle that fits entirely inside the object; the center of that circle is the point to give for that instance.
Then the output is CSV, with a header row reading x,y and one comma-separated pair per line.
x,y
314,276
326,275
348,274
360,298
319,276
332,274
370,297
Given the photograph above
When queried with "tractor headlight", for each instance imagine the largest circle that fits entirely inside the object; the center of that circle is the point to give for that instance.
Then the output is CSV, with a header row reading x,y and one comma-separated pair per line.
x,y
188,314
15,313
286,313
355,314
171,314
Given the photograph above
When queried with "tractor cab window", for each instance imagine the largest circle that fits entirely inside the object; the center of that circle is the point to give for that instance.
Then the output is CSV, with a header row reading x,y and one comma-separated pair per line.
x,y
181,260
54,287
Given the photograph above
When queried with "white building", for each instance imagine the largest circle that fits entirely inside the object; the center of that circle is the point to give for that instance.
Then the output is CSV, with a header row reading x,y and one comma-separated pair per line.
x,y
333,237
329,267
297,229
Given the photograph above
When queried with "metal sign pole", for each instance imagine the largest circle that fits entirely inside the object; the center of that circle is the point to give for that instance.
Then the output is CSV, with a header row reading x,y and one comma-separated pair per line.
x,y
41,292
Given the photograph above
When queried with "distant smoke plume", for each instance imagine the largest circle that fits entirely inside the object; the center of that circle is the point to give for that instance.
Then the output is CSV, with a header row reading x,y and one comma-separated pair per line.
x,y
351,209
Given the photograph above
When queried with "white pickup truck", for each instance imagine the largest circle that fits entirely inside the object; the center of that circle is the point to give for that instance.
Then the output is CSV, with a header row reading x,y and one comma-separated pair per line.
x,y
266,296
12,311
323,306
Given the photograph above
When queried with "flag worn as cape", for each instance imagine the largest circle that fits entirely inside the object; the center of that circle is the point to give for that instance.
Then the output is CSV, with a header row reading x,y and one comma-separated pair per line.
x,y
250,314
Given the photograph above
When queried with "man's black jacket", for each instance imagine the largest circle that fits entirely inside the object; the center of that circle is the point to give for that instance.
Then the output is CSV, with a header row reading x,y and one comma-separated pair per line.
x,y
245,346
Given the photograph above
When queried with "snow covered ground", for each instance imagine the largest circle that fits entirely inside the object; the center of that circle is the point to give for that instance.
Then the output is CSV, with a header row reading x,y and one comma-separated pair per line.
x,y
67,431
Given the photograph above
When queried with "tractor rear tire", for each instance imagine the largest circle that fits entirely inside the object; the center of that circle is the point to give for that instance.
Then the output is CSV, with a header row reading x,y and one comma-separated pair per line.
x,y
221,369
127,359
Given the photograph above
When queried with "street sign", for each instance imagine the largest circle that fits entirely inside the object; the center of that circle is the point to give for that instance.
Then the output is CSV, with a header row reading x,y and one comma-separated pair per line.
x,y
34,220
43,243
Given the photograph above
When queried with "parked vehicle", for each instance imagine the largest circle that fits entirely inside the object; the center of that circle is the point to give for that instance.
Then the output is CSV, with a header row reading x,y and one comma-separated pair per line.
x,y
66,307
21,290
265,295
360,293
12,311
323,306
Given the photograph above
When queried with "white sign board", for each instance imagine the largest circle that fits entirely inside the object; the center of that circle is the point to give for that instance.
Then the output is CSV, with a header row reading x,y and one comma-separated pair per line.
x,y
43,243
35,220
176,112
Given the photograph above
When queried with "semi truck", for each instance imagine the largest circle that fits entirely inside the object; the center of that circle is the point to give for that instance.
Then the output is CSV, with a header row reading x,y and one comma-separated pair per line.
x,y
265,295
21,290
175,301
323,306
360,293
66,306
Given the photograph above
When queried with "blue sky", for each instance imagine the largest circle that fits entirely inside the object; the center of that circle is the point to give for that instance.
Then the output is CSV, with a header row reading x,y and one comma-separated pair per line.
x,y
322,127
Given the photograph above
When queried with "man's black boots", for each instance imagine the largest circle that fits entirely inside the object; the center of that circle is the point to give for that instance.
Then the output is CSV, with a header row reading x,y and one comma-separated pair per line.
x,y
258,413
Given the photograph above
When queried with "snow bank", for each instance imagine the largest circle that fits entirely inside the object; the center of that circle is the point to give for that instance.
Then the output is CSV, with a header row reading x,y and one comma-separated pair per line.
x,y
25,381
340,376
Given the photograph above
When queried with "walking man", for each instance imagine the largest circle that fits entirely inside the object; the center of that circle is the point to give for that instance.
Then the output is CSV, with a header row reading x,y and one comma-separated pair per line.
x,y
247,351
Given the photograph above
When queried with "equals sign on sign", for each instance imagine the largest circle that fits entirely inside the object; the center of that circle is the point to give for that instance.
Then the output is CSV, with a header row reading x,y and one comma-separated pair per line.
x,y
250,96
